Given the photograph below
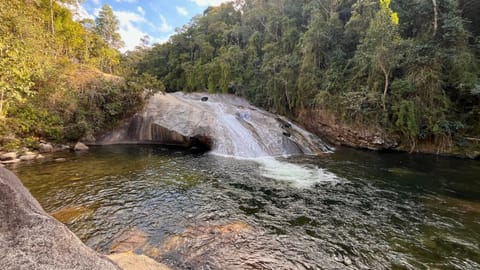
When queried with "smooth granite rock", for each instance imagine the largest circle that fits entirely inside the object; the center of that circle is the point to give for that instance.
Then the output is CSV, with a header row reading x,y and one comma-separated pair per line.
x,y
31,239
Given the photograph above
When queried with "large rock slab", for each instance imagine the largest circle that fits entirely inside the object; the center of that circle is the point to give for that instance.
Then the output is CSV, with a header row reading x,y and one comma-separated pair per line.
x,y
226,124
31,239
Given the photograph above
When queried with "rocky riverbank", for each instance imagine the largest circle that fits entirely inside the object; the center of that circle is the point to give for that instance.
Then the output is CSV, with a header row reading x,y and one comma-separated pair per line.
x,y
330,128
32,239
42,152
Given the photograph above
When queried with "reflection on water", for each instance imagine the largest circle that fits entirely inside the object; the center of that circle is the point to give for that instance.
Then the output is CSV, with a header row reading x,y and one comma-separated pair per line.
x,y
348,210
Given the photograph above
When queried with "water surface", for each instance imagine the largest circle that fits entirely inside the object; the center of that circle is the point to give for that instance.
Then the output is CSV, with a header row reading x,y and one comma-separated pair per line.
x,y
346,210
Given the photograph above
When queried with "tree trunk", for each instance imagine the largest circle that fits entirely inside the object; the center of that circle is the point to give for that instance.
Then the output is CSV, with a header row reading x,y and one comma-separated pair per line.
x,y
385,89
1,104
435,17
51,17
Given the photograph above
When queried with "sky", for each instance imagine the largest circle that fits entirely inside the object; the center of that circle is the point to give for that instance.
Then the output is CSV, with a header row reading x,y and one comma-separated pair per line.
x,y
155,18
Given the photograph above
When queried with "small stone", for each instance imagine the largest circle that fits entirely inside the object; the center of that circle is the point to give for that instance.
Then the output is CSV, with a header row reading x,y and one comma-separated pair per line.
x,y
28,157
13,161
8,156
40,156
80,147
60,159
45,148
204,99
347,260
378,140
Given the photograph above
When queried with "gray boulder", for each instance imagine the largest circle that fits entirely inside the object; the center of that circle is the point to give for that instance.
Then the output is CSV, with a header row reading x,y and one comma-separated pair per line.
x,y
80,147
227,125
28,157
45,148
31,239
8,156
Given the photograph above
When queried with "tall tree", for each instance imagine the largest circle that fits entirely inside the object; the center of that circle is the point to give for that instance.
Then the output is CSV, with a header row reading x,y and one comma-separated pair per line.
x,y
107,26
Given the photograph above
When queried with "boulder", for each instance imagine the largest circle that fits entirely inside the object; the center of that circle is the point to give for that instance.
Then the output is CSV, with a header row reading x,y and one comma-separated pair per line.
x,y
45,148
227,125
80,147
12,161
31,239
8,156
28,157
132,261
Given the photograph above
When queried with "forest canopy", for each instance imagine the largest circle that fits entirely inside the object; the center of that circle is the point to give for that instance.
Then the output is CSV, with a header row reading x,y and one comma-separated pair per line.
x,y
408,66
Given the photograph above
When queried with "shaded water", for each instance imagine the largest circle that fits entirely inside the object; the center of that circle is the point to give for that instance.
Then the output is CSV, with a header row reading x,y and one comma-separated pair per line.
x,y
347,210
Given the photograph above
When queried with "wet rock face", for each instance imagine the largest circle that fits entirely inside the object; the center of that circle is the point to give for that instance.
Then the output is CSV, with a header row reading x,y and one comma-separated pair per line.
x,y
226,124
31,239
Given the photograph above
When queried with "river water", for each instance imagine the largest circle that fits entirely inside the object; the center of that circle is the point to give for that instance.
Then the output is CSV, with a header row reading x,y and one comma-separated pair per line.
x,y
349,209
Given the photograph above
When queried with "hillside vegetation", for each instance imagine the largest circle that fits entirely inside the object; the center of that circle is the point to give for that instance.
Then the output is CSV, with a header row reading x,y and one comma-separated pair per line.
x,y
61,80
408,67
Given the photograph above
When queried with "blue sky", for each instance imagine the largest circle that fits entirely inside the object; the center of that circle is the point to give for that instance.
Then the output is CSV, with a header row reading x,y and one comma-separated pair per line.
x,y
155,18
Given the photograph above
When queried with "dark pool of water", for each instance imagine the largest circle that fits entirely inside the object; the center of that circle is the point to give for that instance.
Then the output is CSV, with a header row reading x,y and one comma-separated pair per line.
x,y
347,210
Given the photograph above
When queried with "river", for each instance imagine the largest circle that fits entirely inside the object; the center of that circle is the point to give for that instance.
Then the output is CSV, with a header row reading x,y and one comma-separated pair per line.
x,y
349,209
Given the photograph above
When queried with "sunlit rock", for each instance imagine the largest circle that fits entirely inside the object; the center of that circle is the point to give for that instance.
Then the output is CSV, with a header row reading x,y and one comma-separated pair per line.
x,y
31,239
132,261
226,124
80,147
8,156
130,240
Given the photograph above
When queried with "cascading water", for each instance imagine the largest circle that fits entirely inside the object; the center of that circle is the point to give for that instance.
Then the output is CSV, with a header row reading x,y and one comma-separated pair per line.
x,y
229,126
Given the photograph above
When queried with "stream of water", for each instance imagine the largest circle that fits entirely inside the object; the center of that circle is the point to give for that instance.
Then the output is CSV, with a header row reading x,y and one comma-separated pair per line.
x,y
345,210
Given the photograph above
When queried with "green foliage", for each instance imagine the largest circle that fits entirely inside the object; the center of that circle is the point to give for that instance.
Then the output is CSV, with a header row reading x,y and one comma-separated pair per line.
x,y
48,62
107,26
372,62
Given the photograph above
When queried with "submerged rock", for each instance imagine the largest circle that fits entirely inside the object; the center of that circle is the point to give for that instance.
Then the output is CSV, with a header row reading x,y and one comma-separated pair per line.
x,y
71,214
130,240
227,125
132,261
31,239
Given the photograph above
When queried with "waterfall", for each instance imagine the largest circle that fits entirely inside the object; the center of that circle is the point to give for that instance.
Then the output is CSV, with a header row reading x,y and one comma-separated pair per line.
x,y
228,125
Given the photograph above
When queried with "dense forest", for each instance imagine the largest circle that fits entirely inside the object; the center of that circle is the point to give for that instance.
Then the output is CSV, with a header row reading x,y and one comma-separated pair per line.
x,y
409,67
61,80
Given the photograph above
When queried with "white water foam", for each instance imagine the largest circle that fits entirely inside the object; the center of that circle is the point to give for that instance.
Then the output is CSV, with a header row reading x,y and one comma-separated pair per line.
x,y
297,175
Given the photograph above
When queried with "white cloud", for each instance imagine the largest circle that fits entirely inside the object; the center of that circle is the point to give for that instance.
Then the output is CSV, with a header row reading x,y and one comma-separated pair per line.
x,y
96,2
141,10
126,1
182,11
164,26
160,40
78,11
130,33
206,3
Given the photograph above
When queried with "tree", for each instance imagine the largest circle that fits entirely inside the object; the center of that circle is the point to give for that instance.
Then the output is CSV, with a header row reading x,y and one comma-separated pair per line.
x,y
380,49
107,26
